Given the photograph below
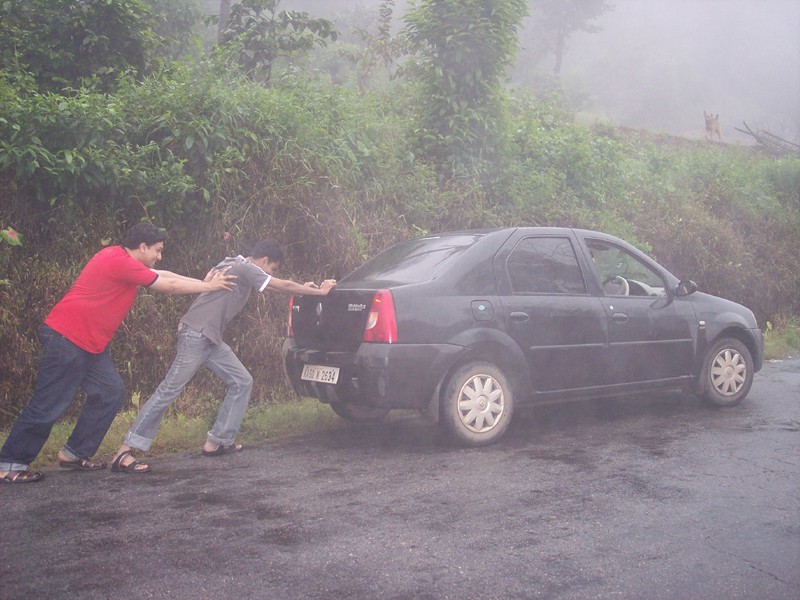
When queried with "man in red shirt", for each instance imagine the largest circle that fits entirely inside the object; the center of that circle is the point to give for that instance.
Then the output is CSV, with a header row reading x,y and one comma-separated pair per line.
x,y
75,337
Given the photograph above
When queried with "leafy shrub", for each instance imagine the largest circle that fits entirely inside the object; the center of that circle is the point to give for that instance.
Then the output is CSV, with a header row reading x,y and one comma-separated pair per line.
x,y
463,50
65,44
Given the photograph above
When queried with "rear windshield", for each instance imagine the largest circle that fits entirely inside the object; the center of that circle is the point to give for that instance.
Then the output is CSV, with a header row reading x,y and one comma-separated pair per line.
x,y
413,261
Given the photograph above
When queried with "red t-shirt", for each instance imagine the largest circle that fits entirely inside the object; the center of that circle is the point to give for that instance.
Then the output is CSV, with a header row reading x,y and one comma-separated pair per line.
x,y
92,310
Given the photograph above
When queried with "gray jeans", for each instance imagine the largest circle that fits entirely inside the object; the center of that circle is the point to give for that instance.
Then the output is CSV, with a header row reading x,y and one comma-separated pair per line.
x,y
194,351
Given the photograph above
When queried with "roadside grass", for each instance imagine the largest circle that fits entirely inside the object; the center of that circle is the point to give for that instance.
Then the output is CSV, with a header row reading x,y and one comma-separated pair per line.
x,y
782,339
181,433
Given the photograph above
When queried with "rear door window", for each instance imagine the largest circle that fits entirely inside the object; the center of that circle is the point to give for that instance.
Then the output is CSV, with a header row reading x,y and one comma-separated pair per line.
x,y
545,265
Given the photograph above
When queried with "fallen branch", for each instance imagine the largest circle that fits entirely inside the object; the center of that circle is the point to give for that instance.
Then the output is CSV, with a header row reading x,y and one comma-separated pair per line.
x,y
771,141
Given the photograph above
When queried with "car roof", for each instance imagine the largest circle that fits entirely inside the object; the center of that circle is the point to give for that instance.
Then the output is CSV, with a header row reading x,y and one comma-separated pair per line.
x,y
524,229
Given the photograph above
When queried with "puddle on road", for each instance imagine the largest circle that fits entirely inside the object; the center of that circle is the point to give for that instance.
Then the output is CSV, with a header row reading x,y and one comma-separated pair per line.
x,y
645,487
284,536
271,513
577,458
192,499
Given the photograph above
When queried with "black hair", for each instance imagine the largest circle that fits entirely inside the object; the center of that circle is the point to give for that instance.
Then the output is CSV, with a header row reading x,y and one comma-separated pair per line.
x,y
143,233
269,248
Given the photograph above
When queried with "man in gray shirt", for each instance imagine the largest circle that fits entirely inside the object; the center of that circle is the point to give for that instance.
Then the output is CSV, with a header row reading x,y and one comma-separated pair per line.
x,y
200,343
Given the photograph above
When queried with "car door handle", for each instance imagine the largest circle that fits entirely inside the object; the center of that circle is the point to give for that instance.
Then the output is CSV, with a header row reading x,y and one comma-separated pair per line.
x,y
619,317
520,316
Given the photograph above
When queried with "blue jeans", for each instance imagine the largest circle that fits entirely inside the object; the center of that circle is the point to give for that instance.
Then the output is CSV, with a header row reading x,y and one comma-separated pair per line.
x,y
194,351
63,369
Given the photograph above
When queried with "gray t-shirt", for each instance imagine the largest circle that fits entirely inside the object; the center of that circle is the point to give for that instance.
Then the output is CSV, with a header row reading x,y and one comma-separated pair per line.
x,y
211,312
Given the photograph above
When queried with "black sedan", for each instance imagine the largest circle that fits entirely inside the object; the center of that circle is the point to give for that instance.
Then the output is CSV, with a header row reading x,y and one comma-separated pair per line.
x,y
464,326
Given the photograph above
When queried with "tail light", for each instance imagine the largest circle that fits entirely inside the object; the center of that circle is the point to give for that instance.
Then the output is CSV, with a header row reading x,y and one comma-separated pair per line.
x,y
382,321
289,332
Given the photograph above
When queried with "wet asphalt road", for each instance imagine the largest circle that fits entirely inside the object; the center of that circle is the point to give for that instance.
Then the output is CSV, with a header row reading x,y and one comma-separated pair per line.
x,y
627,498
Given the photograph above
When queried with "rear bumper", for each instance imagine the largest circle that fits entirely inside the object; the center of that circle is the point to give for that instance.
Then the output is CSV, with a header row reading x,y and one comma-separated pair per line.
x,y
378,375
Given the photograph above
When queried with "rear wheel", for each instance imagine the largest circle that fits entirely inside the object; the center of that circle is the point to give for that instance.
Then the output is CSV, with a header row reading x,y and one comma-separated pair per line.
x,y
476,406
354,412
727,373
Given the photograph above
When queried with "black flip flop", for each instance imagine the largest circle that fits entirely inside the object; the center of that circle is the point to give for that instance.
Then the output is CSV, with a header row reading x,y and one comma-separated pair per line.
x,y
130,468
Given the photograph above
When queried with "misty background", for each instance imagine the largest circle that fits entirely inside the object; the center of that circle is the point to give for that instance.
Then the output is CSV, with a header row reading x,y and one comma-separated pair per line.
x,y
658,64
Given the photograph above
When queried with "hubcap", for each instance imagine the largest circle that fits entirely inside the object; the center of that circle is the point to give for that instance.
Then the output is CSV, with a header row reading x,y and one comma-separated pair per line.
x,y
728,372
481,403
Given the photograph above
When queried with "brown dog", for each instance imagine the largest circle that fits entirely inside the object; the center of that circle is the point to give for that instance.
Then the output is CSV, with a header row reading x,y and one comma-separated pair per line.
x,y
712,126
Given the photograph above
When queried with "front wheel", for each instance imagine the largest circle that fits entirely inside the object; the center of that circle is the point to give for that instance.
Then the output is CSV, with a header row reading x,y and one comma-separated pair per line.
x,y
476,406
727,373
353,412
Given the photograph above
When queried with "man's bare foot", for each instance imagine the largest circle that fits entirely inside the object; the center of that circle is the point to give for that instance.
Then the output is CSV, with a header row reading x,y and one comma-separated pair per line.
x,y
62,457
79,464
211,449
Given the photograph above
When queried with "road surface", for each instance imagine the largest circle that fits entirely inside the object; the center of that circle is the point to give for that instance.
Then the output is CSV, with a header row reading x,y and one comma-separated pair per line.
x,y
641,497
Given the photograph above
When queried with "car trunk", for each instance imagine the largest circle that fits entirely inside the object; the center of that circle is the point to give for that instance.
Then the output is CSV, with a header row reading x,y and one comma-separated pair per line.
x,y
334,322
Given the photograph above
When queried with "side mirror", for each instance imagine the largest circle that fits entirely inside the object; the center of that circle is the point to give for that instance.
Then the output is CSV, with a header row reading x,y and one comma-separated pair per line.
x,y
685,288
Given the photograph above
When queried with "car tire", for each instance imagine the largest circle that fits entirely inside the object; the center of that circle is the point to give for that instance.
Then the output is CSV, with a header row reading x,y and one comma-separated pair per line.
x,y
476,406
361,414
727,373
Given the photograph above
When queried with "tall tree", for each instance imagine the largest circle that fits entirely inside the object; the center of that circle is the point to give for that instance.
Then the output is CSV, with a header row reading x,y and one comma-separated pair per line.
x,y
554,21
257,34
176,24
381,49
224,13
463,50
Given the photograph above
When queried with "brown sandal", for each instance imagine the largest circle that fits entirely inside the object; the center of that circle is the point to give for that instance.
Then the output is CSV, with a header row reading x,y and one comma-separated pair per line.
x,y
82,464
130,468
22,477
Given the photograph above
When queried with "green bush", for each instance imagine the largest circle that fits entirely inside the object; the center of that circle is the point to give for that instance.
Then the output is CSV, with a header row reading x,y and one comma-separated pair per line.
x,y
65,44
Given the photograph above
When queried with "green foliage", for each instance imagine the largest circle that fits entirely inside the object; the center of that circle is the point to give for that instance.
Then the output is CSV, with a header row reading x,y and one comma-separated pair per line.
x,y
782,338
257,35
464,48
380,49
176,25
551,158
68,150
54,144
64,43
10,236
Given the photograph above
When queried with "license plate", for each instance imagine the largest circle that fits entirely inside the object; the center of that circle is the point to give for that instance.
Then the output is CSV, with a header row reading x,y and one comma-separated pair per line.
x,y
320,374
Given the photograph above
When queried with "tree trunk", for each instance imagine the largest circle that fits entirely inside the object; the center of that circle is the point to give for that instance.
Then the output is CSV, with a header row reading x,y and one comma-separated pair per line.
x,y
224,11
561,38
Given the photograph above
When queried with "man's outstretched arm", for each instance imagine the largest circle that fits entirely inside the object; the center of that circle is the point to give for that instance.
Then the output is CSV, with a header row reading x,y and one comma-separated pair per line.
x,y
308,289
172,284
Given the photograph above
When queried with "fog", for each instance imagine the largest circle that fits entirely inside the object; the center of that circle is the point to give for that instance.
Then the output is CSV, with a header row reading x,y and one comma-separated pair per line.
x,y
658,64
